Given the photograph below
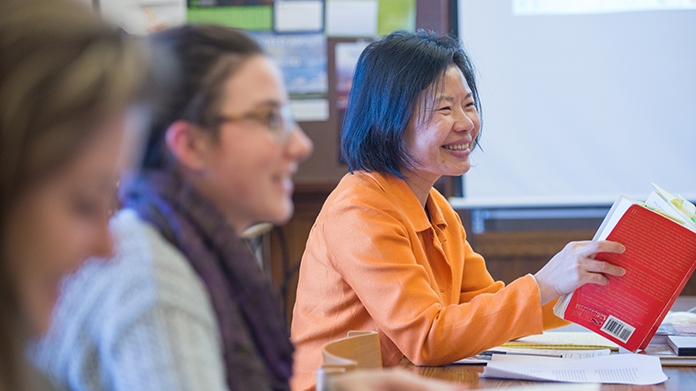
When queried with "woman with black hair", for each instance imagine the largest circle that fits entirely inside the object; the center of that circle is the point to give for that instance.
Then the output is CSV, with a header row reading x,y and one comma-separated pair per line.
x,y
387,252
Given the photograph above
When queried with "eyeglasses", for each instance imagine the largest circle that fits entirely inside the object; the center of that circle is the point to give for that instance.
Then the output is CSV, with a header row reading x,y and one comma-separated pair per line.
x,y
277,119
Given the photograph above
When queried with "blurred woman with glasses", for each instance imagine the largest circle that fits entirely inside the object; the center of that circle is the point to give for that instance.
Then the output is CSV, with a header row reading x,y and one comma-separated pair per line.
x,y
183,304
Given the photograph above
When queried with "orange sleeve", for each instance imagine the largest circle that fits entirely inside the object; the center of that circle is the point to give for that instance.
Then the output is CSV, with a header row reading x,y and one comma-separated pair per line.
x,y
477,280
406,297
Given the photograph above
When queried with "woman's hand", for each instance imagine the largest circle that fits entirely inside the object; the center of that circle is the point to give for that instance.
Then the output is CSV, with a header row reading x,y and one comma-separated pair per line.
x,y
574,266
389,380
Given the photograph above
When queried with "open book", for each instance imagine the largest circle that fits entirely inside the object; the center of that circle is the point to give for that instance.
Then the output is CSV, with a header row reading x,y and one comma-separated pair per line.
x,y
660,240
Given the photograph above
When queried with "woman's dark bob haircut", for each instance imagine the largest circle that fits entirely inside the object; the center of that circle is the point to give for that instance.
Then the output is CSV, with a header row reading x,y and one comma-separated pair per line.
x,y
391,75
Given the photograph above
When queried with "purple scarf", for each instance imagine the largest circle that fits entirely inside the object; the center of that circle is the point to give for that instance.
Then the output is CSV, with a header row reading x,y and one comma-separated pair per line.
x,y
256,345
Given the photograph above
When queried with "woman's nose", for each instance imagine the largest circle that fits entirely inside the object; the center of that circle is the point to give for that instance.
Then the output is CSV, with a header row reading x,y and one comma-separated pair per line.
x,y
299,146
464,123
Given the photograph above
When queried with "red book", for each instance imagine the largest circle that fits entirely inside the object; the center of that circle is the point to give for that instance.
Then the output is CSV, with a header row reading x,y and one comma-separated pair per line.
x,y
659,259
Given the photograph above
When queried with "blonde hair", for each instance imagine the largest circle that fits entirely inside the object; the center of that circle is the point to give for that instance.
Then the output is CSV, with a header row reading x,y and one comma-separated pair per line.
x,y
62,71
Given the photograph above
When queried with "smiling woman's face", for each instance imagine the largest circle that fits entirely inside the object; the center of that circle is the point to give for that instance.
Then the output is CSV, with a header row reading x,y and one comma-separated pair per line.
x,y
59,222
440,142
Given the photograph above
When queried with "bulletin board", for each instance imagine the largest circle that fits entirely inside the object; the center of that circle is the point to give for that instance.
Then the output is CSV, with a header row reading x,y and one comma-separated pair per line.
x,y
315,42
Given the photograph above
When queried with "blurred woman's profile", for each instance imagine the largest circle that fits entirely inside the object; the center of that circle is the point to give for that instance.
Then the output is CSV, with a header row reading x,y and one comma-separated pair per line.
x,y
68,82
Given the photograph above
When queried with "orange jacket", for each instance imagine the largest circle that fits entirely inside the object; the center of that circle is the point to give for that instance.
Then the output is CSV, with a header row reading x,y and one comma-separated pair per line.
x,y
374,261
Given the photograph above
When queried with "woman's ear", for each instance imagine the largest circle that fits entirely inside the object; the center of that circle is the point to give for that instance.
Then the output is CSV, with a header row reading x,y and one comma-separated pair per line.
x,y
188,143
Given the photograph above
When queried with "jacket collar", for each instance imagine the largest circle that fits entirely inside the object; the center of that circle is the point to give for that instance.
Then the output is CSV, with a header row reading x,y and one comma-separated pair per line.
x,y
401,193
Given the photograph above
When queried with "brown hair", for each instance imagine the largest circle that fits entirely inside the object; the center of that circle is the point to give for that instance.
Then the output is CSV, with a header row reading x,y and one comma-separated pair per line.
x,y
206,56
62,71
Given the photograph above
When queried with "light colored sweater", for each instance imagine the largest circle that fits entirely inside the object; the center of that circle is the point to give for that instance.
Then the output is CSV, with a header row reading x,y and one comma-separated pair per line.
x,y
140,321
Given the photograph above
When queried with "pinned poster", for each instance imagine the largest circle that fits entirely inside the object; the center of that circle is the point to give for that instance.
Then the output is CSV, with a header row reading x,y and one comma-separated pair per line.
x,y
243,14
298,16
396,15
347,54
302,59
351,18
226,3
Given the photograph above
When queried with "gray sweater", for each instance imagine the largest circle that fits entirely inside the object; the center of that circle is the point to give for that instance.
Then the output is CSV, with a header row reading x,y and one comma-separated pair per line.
x,y
142,320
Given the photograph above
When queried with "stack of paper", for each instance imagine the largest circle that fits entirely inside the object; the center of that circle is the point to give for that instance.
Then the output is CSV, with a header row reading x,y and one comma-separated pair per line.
x,y
565,340
615,369
668,357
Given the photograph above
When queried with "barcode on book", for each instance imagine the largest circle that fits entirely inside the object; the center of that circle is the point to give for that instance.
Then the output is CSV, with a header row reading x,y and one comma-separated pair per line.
x,y
621,330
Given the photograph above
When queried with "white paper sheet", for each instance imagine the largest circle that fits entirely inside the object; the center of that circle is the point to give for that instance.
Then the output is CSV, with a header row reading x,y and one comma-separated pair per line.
x,y
614,369
351,18
296,16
